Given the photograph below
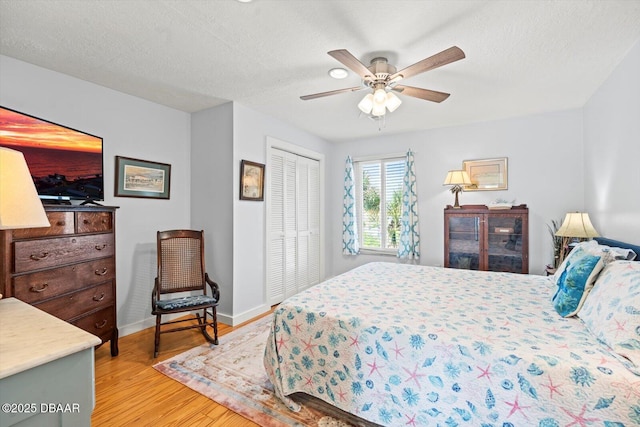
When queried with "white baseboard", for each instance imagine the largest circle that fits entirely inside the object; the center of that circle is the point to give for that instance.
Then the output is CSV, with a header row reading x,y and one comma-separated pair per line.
x,y
243,317
150,322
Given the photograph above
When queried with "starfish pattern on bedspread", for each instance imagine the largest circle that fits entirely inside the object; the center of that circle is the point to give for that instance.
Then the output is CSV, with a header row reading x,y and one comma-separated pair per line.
x,y
426,346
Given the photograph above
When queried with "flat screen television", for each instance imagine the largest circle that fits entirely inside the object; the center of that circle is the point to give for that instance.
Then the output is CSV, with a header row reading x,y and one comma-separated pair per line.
x,y
66,164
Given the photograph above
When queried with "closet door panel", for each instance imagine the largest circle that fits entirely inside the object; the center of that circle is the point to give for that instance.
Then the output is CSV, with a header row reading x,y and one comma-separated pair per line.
x,y
294,225
275,278
276,261
313,255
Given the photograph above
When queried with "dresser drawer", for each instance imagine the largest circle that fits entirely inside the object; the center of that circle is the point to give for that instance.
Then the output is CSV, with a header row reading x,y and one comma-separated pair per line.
x,y
45,253
94,222
61,223
101,323
40,286
72,305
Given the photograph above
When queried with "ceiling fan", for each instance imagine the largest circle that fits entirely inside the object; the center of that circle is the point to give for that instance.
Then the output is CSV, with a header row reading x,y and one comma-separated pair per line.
x,y
383,78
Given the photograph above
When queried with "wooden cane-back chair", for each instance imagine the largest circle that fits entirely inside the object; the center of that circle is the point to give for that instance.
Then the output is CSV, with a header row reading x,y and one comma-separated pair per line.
x,y
181,270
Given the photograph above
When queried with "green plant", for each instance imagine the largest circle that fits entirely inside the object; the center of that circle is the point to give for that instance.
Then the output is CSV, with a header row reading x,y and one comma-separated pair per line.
x,y
555,240
394,212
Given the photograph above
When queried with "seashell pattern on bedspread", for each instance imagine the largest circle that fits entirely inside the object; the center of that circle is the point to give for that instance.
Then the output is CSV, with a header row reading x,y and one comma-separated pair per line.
x,y
402,345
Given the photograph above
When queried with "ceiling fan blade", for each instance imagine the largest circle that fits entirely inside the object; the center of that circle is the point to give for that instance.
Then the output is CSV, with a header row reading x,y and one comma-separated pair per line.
x,y
351,62
331,92
426,94
438,60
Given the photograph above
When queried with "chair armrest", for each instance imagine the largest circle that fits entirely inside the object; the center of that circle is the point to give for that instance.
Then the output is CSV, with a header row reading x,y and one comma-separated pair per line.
x,y
215,290
154,294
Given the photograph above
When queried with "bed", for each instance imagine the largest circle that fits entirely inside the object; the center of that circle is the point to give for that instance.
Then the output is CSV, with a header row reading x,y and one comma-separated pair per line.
x,y
398,344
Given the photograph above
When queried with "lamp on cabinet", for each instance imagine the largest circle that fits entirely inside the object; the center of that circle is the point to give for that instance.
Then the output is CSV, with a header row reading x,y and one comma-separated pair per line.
x,y
457,179
576,225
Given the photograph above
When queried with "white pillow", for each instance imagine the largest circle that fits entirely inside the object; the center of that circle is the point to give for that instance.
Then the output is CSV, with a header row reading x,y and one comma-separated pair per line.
x,y
611,312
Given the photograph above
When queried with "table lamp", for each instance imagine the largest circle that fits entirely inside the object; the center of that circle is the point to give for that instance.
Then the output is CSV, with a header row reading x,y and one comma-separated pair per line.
x,y
576,225
458,179
20,206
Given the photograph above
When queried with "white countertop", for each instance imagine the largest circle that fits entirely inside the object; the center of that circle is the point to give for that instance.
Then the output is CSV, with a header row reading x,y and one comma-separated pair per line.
x,y
29,337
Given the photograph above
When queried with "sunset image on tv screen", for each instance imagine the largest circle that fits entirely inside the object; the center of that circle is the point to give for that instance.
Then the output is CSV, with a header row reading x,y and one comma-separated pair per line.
x,y
63,162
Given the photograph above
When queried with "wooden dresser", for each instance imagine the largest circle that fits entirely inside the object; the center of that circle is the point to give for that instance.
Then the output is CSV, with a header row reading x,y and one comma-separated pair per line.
x,y
67,270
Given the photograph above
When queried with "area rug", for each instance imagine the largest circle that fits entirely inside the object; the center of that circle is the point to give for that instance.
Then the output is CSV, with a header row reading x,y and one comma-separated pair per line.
x,y
233,375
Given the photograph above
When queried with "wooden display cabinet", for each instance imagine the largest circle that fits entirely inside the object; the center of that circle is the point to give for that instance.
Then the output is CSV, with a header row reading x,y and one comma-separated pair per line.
x,y
479,238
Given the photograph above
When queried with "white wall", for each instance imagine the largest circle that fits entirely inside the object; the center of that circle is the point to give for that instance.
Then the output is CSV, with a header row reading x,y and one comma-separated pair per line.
x,y
612,152
250,130
544,171
130,127
212,196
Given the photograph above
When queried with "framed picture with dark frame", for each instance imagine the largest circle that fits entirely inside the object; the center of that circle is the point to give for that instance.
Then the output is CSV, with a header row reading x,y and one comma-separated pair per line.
x,y
251,181
142,178
486,174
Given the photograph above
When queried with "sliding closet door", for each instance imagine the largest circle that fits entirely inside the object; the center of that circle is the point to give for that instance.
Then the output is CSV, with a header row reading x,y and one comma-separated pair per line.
x,y
293,262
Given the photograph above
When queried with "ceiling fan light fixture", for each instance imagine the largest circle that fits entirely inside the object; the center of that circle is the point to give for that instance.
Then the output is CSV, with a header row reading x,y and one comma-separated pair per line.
x,y
379,97
393,102
381,78
366,105
378,109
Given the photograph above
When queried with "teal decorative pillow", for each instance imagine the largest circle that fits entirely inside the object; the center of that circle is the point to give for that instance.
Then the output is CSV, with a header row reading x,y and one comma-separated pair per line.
x,y
577,252
612,311
575,282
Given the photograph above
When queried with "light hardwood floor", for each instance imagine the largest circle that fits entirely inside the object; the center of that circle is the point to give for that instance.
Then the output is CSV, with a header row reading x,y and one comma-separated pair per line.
x,y
129,392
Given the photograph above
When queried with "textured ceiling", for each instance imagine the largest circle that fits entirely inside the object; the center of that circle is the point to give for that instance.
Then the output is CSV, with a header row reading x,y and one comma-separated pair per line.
x,y
522,57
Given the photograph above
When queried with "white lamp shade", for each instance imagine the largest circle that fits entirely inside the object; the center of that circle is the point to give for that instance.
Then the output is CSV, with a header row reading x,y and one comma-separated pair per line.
x,y
457,177
393,102
20,206
577,224
379,97
378,110
366,104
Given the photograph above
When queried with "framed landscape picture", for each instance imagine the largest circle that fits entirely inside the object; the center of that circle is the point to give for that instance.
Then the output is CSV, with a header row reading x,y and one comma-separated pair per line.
x,y
142,178
486,174
251,181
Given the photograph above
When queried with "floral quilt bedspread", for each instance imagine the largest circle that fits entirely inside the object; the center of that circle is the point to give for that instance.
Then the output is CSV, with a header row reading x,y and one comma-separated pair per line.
x,y
405,345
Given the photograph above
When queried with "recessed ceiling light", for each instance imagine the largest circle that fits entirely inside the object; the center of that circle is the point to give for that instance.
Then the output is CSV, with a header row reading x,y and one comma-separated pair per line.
x,y
245,1
338,73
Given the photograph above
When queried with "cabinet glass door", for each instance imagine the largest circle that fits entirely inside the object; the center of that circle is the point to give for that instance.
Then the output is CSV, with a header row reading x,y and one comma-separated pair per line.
x,y
504,243
464,242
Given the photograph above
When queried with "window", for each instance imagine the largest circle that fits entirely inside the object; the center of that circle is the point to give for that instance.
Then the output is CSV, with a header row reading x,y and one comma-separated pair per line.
x,y
379,202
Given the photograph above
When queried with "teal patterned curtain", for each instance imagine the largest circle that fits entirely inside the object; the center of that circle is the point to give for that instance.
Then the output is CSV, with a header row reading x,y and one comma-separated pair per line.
x,y
350,244
409,246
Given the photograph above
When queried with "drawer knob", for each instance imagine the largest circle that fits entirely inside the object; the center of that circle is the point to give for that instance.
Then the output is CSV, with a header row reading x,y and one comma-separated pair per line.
x,y
86,221
98,298
101,272
40,289
100,247
35,257
60,223
101,324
